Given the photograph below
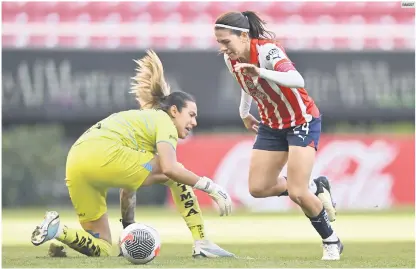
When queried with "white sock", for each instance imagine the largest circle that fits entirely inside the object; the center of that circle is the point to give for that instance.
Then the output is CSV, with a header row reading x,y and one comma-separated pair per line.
x,y
332,238
312,186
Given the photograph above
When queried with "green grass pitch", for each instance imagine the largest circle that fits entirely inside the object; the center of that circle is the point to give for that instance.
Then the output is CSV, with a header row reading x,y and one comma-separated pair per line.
x,y
372,239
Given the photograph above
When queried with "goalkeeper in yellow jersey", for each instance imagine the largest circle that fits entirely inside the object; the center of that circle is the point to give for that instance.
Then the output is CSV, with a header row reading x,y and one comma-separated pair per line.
x,y
128,150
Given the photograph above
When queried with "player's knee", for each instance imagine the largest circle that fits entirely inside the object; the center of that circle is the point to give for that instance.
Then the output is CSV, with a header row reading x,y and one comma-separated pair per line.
x,y
298,195
258,191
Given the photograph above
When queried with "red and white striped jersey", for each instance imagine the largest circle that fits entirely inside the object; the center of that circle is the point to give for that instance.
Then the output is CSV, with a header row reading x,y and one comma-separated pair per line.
x,y
279,107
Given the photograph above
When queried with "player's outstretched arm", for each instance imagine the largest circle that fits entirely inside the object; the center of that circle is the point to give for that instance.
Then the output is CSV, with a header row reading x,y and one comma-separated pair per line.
x,y
177,172
291,78
171,168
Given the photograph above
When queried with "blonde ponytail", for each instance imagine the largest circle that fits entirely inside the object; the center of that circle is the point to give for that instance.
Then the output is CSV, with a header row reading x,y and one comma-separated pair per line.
x,y
149,85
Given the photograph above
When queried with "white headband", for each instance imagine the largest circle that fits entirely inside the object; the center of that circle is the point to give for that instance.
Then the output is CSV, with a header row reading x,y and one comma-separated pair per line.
x,y
233,28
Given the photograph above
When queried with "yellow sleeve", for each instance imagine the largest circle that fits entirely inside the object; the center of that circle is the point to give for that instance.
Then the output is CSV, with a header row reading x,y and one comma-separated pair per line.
x,y
166,131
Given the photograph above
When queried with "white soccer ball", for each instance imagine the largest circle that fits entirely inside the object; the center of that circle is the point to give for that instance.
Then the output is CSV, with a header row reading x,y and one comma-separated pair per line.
x,y
139,243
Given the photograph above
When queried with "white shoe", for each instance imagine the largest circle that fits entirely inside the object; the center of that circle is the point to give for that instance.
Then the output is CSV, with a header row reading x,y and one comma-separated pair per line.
x,y
332,251
207,249
323,192
47,230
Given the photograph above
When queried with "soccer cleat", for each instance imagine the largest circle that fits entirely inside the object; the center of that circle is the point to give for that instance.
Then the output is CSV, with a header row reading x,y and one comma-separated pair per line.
x,y
47,230
332,250
207,249
323,191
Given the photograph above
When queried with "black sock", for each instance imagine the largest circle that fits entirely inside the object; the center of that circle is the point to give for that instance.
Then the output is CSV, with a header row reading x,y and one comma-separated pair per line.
x,y
322,225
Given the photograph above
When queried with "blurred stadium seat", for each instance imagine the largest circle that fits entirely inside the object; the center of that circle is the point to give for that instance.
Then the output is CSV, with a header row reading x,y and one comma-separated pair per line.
x,y
300,25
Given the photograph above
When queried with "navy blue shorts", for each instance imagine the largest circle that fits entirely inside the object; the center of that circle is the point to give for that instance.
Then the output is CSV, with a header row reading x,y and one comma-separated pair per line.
x,y
304,135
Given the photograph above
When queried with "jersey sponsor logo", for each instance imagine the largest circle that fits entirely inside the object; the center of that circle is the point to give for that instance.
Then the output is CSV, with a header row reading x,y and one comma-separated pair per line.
x,y
200,230
258,94
188,199
273,54
86,246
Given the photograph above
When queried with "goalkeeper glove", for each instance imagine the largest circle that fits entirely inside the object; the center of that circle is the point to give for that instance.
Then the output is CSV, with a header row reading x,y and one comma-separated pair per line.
x,y
217,193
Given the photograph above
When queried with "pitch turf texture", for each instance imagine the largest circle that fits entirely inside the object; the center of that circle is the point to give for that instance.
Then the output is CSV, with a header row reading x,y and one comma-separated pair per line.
x,y
372,239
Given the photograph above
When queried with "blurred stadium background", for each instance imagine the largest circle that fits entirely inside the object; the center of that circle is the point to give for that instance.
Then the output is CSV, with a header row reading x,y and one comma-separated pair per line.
x,y
67,65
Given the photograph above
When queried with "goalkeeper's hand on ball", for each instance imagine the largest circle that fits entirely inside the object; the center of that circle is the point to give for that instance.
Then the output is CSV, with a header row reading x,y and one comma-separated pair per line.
x,y
217,193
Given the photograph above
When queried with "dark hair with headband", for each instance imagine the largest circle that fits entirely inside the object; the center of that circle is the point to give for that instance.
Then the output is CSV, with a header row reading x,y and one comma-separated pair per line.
x,y
247,21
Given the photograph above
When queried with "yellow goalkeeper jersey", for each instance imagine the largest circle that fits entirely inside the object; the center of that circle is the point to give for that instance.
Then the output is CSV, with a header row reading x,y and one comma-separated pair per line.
x,y
137,129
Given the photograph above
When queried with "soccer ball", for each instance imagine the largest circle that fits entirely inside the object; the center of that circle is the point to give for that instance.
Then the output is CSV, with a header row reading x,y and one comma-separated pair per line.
x,y
139,243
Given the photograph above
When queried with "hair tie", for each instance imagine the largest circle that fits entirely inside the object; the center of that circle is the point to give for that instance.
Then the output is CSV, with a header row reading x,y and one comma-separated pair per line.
x,y
159,97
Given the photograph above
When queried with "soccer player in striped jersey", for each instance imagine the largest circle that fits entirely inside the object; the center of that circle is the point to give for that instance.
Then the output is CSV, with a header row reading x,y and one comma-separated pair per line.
x,y
127,150
290,124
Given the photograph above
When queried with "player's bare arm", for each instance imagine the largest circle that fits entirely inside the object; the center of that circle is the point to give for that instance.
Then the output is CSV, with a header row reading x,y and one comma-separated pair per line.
x,y
174,170
127,206
171,168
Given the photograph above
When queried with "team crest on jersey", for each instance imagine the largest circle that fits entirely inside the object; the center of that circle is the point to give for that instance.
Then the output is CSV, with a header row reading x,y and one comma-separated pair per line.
x,y
252,88
250,84
273,54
